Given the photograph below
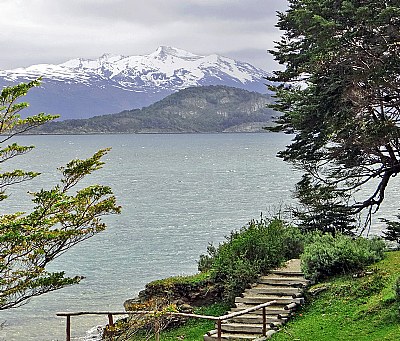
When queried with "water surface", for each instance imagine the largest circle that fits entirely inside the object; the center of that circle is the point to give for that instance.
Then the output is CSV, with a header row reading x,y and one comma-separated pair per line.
x,y
178,192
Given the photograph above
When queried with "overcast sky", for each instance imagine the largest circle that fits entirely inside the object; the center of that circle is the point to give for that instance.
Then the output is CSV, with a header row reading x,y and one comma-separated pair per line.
x,y
54,31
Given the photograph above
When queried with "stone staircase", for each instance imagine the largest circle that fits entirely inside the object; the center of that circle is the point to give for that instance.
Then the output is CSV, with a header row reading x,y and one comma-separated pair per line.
x,y
284,285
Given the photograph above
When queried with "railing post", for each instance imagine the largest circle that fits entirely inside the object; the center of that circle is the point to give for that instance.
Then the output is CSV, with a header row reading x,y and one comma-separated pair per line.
x,y
110,320
264,312
219,330
68,328
157,330
111,323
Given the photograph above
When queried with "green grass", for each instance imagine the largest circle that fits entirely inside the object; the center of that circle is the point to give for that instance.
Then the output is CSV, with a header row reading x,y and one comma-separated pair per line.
x,y
180,280
194,329
356,309
351,309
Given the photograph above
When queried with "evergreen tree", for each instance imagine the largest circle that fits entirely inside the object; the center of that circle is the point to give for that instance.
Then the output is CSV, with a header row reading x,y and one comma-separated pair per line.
x,y
59,220
392,232
340,94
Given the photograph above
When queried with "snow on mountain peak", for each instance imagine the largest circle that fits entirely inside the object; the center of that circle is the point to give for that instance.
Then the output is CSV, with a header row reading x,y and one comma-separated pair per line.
x,y
115,82
81,63
164,51
166,68
110,56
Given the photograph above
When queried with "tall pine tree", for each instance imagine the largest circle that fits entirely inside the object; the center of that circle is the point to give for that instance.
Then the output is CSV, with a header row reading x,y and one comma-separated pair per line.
x,y
340,93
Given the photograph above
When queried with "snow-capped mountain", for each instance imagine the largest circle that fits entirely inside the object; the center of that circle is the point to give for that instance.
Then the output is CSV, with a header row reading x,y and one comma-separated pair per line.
x,y
81,88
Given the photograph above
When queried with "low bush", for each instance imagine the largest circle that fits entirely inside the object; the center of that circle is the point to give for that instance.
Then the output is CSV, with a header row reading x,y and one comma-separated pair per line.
x,y
195,290
170,282
249,252
397,289
325,255
397,295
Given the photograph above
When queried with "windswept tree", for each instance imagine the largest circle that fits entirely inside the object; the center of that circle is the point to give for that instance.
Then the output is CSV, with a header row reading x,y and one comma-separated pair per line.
x,y
340,93
59,219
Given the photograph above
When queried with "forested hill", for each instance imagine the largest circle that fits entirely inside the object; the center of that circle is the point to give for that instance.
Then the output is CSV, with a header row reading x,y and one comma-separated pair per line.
x,y
194,109
83,88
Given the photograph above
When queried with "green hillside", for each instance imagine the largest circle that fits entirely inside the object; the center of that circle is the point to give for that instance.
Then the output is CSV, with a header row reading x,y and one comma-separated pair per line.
x,y
352,308
196,109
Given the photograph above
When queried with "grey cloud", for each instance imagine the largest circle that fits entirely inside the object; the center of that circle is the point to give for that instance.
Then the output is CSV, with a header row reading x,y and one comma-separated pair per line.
x,y
157,12
51,31
149,12
234,10
259,57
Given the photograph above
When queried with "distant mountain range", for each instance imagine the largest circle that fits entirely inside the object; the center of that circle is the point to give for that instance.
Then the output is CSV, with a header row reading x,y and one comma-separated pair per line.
x,y
194,109
82,88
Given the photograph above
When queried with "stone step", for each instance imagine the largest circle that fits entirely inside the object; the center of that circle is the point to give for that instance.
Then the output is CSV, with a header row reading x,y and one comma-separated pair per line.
x,y
283,277
271,310
237,336
280,300
270,289
243,328
284,281
283,285
258,319
288,273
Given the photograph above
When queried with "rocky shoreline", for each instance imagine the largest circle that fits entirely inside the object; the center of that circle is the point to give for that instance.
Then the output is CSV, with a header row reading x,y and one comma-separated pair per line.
x,y
183,295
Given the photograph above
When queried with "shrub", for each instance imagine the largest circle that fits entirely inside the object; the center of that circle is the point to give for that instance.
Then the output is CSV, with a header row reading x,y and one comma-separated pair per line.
x,y
249,252
195,290
397,295
326,255
397,289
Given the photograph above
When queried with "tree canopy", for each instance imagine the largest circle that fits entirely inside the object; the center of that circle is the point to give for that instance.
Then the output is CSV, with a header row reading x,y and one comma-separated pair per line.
x,y
340,93
59,219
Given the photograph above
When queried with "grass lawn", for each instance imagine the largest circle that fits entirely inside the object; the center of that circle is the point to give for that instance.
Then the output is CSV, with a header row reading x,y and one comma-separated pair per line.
x,y
350,309
355,309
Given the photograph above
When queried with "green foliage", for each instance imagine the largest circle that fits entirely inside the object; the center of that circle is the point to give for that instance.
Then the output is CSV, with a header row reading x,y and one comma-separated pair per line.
x,y
325,255
180,280
322,209
198,289
59,220
12,124
392,232
397,289
339,92
250,252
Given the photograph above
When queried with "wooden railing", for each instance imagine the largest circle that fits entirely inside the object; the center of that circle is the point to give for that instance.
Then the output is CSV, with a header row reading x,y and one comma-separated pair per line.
x,y
217,319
